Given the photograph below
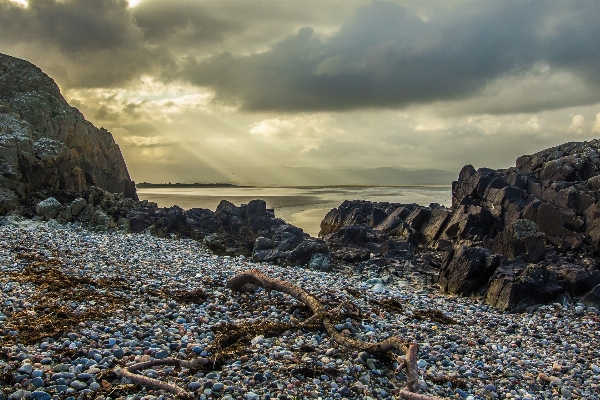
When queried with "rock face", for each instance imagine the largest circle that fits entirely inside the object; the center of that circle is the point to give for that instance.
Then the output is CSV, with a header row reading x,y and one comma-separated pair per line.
x,y
47,146
511,234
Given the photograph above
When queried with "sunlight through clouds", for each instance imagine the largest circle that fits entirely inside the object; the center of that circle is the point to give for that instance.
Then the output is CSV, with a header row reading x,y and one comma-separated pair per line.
x,y
205,86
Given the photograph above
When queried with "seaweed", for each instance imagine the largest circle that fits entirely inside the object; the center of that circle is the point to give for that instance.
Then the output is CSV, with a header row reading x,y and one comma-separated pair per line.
x,y
434,315
52,313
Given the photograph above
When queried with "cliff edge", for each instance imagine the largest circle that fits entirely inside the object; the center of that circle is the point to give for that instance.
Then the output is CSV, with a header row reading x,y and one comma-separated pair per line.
x,y
47,146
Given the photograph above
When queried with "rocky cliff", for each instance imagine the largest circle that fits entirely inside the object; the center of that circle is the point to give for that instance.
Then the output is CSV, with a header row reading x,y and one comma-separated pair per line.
x,y
47,146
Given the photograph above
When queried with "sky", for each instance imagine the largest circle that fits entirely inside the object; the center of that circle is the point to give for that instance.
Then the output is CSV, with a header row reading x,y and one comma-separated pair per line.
x,y
193,89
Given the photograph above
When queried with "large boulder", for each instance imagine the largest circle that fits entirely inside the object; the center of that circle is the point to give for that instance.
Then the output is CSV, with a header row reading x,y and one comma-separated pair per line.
x,y
517,285
48,208
521,238
8,200
591,298
466,271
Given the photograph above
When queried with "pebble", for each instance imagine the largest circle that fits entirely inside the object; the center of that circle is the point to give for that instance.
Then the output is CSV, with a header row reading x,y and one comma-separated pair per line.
x,y
547,352
39,395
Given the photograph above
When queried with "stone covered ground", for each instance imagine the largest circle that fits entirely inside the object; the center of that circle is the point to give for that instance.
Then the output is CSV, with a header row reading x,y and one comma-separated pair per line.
x,y
75,305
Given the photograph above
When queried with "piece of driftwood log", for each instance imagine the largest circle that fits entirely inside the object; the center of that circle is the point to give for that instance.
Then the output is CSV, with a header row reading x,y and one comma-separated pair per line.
x,y
250,280
129,373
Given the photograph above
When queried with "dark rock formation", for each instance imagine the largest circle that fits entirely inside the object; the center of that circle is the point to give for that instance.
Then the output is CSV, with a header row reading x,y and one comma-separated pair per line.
x,y
511,233
520,238
467,270
47,146
518,285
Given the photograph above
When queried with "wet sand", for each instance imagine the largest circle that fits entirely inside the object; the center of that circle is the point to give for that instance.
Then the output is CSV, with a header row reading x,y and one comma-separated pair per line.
x,y
302,207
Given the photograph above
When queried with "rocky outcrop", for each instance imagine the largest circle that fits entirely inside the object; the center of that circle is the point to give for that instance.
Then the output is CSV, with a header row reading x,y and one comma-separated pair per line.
x,y
466,270
250,229
46,146
511,234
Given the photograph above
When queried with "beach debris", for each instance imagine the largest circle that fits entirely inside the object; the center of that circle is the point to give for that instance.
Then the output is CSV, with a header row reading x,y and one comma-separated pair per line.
x,y
252,279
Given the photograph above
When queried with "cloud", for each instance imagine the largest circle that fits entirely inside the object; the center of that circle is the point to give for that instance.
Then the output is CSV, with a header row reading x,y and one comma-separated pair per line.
x,y
84,43
107,43
596,125
389,56
183,22
577,123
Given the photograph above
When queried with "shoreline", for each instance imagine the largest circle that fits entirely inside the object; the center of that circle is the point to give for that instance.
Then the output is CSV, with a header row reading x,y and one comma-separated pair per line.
x,y
488,353
304,207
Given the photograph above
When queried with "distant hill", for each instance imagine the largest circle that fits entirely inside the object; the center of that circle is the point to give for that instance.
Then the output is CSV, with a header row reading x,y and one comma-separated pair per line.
x,y
308,176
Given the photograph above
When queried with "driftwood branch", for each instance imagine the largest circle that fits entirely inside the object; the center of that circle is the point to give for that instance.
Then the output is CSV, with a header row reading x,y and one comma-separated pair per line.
x,y
128,372
246,280
251,279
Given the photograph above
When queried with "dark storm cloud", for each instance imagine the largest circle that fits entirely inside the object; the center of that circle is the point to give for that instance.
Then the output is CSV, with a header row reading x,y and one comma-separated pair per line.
x,y
82,43
387,56
75,26
106,43
188,20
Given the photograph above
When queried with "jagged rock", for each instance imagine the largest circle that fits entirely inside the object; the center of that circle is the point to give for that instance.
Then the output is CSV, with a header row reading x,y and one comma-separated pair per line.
x,y
592,226
435,225
85,215
77,206
517,285
8,200
577,278
471,185
100,221
521,238
561,226
142,216
466,271
305,251
353,243
265,251
287,248
172,220
417,218
48,208
392,221
348,213
468,221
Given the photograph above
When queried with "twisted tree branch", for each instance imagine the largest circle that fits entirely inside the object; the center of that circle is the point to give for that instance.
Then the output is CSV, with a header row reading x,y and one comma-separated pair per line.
x,y
251,279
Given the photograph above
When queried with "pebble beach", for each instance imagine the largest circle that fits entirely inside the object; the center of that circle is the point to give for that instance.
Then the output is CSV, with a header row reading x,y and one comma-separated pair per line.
x,y
76,305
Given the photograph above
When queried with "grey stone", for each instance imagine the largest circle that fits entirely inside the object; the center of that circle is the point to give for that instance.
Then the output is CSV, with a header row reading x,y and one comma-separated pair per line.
x,y
48,208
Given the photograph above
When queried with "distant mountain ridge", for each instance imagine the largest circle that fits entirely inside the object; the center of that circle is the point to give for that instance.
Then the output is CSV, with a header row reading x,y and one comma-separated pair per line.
x,y
311,176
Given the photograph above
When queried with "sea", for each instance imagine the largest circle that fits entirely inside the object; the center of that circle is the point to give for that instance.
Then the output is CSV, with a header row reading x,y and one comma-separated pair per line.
x,y
303,207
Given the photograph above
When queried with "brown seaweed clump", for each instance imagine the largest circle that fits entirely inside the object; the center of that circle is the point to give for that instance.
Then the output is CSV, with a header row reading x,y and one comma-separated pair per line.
x,y
61,301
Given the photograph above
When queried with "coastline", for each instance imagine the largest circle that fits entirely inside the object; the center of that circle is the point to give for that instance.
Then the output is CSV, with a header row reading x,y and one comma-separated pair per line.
x,y
301,206
550,351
